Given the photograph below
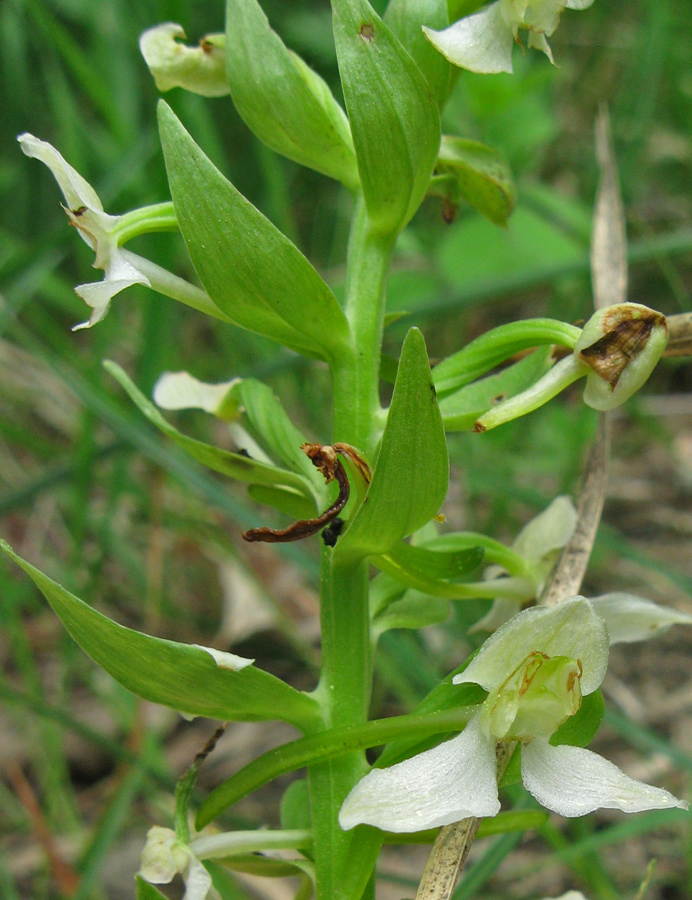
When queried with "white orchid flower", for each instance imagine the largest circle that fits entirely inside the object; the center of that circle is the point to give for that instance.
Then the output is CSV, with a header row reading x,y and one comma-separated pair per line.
x,y
96,228
483,42
536,668
164,857
539,543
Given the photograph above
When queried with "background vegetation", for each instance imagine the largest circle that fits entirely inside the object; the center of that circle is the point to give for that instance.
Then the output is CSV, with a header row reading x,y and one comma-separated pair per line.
x,y
93,496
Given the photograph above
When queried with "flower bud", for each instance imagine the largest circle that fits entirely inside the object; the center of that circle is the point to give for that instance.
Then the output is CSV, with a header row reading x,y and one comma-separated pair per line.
x,y
536,699
621,344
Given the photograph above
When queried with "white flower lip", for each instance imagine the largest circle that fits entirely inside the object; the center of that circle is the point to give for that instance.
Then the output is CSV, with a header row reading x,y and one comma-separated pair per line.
x,y
457,779
96,228
201,69
483,42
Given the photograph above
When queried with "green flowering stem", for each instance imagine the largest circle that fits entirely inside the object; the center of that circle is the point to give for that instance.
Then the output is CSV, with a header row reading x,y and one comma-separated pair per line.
x,y
164,282
356,379
557,379
147,219
233,843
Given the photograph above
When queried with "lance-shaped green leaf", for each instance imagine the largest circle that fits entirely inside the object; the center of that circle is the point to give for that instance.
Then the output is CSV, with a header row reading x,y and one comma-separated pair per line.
x,y
182,676
497,345
479,175
411,475
282,100
414,610
405,18
234,465
461,409
275,431
250,269
394,118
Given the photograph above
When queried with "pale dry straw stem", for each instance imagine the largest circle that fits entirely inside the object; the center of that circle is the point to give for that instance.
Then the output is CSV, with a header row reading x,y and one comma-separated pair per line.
x,y
609,278
452,845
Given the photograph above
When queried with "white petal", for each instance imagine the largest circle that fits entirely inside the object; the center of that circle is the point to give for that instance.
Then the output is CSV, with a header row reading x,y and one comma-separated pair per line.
x,y
226,660
579,4
631,618
573,781
500,612
98,295
538,41
162,856
180,390
76,191
482,42
197,882
548,531
201,69
571,629
452,781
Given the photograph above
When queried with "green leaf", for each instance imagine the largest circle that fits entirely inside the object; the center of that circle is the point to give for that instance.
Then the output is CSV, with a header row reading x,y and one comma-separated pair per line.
x,y
394,118
461,409
497,345
481,176
276,432
251,271
234,465
414,610
285,103
410,480
581,728
436,564
263,866
295,806
285,500
181,676
146,891
405,18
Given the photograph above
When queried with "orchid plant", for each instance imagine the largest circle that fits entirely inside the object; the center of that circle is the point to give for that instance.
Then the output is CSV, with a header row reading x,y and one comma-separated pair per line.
x,y
374,488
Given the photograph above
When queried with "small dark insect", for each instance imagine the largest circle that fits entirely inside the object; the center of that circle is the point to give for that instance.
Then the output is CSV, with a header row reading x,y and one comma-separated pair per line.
x,y
331,533
243,452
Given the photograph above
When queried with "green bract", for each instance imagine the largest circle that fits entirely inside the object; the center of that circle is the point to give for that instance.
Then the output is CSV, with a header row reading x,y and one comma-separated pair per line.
x,y
405,18
250,270
394,118
282,100
411,474
479,175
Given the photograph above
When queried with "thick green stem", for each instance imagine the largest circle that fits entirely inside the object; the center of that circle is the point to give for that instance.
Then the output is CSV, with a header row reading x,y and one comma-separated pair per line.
x,y
159,217
356,380
344,860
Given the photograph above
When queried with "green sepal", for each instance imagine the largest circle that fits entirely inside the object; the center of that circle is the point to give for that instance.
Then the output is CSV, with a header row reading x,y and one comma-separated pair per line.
x,y
461,409
234,465
287,105
252,272
405,18
480,175
146,891
394,118
180,676
497,345
411,475
581,728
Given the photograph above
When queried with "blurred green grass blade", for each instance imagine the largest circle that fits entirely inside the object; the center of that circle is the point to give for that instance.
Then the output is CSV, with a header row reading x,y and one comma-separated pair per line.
x,y
112,823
